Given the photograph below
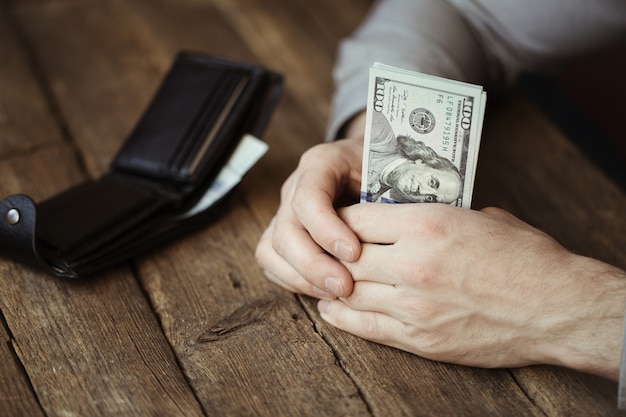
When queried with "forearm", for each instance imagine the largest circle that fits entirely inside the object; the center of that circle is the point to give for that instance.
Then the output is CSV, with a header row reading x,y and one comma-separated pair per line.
x,y
587,335
486,42
423,35
354,128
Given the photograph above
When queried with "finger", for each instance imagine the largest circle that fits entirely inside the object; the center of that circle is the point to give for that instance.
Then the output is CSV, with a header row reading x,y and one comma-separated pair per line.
x,y
295,246
314,207
370,325
323,176
376,264
299,286
387,223
375,297
424,308
373,222
280,272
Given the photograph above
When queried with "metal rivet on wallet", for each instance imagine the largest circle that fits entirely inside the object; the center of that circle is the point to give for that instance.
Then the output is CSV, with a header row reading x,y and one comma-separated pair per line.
x,y
13,216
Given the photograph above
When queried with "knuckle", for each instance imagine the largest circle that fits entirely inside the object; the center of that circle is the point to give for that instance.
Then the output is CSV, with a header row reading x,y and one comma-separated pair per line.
x,y
298,199
263,249
313,153
373,329
436,225
278,243
260,254
309,269
286,188
492,210
358,297
423,274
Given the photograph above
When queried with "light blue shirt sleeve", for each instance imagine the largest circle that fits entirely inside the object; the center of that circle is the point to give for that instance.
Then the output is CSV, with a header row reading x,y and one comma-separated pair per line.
x,y
488,42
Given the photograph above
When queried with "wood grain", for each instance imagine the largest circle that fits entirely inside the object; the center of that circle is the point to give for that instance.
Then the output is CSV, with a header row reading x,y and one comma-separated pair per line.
x,y
21,94
397,383
16,396
87,348
194,328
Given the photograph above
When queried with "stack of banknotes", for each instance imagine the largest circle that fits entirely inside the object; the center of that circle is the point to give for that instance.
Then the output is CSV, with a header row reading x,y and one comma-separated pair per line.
x,y
422,138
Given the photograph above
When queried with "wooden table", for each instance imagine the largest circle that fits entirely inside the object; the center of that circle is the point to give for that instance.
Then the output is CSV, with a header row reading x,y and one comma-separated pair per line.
x,y
140,339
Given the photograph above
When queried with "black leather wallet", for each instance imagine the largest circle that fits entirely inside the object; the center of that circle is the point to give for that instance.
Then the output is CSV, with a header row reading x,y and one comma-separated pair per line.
x,y
199,114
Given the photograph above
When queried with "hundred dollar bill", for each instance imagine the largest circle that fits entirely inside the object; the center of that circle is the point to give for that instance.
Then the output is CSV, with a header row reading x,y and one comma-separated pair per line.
x,y
247,153
422,138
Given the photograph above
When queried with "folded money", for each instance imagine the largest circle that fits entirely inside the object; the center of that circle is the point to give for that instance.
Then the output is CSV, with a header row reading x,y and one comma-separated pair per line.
x,y
245,156
422,138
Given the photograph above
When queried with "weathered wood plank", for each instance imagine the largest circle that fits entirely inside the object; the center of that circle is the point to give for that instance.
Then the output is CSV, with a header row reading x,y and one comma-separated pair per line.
x,y
397,383
16,395
218,380
88,348
101,67
247,347
87,353
563,392
20,94
285,36
200,282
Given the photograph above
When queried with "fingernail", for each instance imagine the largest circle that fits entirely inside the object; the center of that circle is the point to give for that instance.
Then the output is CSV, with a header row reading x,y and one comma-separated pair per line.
x,y
323,306
343,251
333,286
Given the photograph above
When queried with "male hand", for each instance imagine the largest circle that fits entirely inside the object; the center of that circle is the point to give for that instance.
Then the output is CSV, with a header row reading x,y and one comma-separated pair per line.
x,y
478,288
302,246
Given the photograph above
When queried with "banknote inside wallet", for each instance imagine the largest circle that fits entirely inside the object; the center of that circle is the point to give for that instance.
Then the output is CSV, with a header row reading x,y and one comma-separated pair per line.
x,y
197,117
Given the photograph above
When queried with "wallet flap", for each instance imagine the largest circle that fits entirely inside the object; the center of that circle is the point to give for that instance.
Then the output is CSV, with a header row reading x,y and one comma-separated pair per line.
x,y
191,122
90,214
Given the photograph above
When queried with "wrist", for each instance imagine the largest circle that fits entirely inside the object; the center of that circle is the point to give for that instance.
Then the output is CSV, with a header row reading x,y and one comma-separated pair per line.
x,y
355,127
587,334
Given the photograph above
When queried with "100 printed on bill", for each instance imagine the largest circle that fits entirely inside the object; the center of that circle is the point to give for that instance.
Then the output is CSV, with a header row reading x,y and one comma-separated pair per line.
x,y
422,138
